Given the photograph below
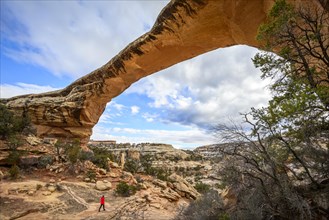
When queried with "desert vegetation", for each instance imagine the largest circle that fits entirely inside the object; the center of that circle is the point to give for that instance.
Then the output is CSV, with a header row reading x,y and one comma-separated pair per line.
x,y
11,129
276,162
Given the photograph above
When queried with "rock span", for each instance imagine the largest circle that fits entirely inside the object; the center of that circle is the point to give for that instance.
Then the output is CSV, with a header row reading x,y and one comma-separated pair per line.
x,y
184,29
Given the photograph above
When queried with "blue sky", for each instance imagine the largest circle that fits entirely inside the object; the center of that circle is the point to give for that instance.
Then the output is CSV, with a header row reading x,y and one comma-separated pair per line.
x,y
46,45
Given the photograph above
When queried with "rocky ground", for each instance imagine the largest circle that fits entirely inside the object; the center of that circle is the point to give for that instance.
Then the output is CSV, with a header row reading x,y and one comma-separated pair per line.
x,y
48,198
60,190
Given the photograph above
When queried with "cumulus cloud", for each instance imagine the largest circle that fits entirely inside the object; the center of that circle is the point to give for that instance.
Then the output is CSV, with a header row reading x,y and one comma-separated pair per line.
x,y
134,109
7,90
116,106
190,138
73,37
208,88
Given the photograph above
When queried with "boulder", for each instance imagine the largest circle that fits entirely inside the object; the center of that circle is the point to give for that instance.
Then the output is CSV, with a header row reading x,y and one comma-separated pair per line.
x,y
156,205
12,191
102,171
51,188
160,183
146,195
102,186
46,193
51,141
170,195
114,175
112,164
31,192
88,165
182,187
143,186
33,140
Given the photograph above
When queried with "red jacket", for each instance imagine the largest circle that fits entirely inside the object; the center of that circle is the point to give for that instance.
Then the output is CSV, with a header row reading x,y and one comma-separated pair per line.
x,y
102,200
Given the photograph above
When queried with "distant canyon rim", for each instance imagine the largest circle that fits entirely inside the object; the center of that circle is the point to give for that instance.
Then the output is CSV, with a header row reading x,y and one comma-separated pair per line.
x,y
183,30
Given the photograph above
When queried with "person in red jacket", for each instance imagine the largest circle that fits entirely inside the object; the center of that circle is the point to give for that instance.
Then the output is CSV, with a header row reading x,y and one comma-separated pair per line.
x,y
102,204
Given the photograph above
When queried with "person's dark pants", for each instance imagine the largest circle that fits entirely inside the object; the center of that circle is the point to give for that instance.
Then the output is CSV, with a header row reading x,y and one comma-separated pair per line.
x,y
101,207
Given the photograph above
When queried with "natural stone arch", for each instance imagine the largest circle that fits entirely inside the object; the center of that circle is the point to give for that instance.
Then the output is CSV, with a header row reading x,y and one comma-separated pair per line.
x,y
183,30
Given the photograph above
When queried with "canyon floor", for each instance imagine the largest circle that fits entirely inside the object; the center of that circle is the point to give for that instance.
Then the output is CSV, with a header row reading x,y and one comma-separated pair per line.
x,y
62,190
31,198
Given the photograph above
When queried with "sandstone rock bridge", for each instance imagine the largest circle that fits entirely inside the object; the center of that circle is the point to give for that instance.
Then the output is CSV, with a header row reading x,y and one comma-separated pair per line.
x,y
184,29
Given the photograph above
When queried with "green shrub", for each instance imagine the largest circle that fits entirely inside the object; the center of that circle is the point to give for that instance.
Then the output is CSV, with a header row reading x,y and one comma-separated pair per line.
x,y
139,179
13,157
123,189
100,157
59,188
202,187
224,216
174,159
45,160
197,178
100,161
39,186
146,164
159,173
85,155
132,166
9,124
71,149
197,168
14,172
209,206
14,141
198,173
162,174
196,157
91,174
73,153
104,152
220,186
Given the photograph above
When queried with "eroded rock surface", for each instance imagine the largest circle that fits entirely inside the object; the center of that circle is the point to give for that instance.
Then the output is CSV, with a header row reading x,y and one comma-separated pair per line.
x,y
184,29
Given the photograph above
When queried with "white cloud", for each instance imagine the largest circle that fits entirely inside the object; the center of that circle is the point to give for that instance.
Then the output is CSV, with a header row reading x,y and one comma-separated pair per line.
x,y
73,37
206,89
150,117
134,109
193,137
116,106
7,90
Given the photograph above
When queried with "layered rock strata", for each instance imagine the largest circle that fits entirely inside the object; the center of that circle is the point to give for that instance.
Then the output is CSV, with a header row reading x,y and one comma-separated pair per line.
x,y
184,29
